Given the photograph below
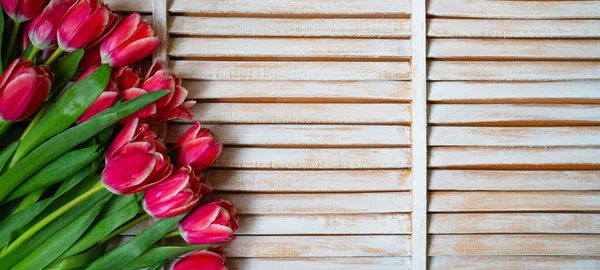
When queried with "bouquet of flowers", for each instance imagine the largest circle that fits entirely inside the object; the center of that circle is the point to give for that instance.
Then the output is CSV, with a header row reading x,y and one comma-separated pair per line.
x,y
92,162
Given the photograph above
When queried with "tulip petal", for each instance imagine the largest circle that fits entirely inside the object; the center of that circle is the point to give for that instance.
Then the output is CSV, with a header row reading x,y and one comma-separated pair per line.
x,y
125,136
129,169
16,96
189,135
123,31
213,234
199,153
200,218
131,53
104,101
201,260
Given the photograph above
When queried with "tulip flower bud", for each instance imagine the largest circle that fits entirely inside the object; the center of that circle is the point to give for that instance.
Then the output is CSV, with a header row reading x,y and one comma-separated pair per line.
x,y
25,43
136,160
23,89
85,23
108,98
91,58
199,148
132,41
175,195
211,259
22,10
215,222
42,30
127,77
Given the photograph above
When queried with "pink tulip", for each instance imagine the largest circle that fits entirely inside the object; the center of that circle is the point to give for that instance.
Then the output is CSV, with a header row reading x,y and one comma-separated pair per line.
x,y
215,222
199,148
211,259
135,161
43,29
176,195
108,98
23,89
25,43
85,23
127,77
91,58
22,10
131,42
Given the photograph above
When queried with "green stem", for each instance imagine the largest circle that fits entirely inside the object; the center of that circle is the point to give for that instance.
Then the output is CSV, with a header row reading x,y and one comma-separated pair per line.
x,y
54,56
34,51
171,234
11,42
36,119
4,127
42,223
124,227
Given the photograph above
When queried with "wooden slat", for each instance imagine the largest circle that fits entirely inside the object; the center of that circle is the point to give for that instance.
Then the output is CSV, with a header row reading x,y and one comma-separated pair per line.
x,y
277,27
513,49
294,7
513,180
514,223
304,135
143,6
308,181
448,201
303,71
511,114
514,262
533,244
512,70
299,91
318,246
514,136
516,157
343,203
513,28
302,158
324,224
263,113
515,92
290,48
515,9
377,263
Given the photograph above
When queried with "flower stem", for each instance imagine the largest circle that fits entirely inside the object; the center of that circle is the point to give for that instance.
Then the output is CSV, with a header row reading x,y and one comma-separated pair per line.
x,y
34,51
54,56
124,227
171,234
4,127
36,119
42,223
11,41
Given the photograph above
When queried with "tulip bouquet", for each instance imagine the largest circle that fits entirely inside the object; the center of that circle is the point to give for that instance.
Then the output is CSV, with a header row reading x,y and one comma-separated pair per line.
x,y
88,163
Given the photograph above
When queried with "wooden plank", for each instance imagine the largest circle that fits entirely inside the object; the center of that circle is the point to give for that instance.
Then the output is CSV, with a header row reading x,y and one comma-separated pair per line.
x,y
449,201
500,49
304,135
514,223
512,70
515,157
532,244
290,48
309,181
302,71
279,27
141,6
328,8
514,136
302,158
514,262
324,224
264,113
373,263
300,91
470,28
514,114
515,9
515,92
513,180
340,203
318,246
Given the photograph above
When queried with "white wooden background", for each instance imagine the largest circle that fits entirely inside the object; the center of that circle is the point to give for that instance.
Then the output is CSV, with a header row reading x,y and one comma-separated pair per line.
x,y
385,134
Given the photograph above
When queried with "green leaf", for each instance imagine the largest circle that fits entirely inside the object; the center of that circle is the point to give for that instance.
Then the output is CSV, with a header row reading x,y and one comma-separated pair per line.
x,y
7,154
65,69
156,266
30,199
103,228
59,242
117,203
61,168
68,139
80,260
160,255
67,109
127,252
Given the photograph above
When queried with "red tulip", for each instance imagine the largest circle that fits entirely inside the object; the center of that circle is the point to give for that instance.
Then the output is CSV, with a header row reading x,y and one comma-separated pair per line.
x,y
131,42
43,29
22,10
91,58
85,23
127,77
199,148
176,195
135,161
23,89
215,222
108,98
211,259
25,43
